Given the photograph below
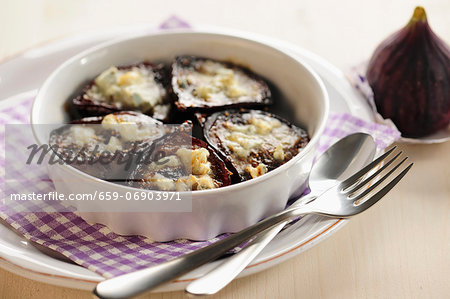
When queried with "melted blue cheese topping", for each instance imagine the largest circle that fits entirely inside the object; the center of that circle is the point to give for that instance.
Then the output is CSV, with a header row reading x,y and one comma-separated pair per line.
x,y
86,137
243,138
217,84
82,135
125,125
129,130
194,162
132,88
257,133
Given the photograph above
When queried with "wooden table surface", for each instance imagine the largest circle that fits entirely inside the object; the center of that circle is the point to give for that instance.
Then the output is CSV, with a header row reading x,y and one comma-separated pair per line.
x,y
400,248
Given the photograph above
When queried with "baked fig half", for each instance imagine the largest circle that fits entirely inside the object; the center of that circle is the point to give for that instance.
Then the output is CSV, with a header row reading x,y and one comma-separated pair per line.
x,y
180,162
207,84
108,146
254,141
139,87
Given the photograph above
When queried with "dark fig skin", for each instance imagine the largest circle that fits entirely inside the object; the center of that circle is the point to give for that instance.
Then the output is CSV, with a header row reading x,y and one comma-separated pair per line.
x,y
409,74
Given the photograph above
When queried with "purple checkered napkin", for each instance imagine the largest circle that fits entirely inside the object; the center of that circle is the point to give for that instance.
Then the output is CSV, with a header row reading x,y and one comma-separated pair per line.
x,y
98,248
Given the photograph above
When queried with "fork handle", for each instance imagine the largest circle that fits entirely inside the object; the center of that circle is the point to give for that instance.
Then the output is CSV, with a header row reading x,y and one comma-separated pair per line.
x,y
137,282
215,280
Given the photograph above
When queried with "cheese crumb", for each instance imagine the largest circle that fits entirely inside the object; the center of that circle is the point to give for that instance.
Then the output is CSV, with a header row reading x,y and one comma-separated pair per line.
x,y
129,78
264,127
204,91
169,161
114,145
163,183
195,160
128,130
193,182
110,120
234,91
82,135
203,182
256,171
247,141
279,152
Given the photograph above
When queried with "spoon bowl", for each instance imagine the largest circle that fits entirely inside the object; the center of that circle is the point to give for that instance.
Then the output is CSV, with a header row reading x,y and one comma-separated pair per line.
x,y
340,161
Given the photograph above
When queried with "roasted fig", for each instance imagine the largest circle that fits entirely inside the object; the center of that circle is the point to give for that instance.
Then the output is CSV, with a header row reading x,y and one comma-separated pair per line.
x,y
179,162
140,87
409,74
206,84
254,141
106,147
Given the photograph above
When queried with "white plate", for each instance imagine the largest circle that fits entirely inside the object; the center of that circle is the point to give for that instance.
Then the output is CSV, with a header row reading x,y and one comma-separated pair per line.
x,y
22,75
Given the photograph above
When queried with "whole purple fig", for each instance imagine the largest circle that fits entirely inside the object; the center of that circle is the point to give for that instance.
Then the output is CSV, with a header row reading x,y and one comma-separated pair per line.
x,y
409,74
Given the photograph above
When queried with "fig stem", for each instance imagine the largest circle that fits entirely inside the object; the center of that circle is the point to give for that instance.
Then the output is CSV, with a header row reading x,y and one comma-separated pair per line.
x,y
419,15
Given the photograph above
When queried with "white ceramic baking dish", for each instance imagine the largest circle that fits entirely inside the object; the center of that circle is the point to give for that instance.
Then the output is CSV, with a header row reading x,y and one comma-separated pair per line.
x,y
227,209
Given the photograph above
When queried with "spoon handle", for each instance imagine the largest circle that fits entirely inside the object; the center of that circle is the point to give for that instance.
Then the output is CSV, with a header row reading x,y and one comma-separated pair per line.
x,y
223,274
137,282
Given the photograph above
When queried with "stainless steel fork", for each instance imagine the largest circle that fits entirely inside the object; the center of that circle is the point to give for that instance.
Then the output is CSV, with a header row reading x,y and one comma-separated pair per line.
x,y
348,198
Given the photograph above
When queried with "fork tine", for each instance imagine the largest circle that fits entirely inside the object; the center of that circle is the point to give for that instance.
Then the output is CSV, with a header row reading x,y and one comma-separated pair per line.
x,y
351,180
377,196
377,183
364,182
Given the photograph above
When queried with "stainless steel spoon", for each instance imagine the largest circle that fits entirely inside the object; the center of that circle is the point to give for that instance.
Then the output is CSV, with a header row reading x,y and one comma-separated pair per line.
x,y
335,165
